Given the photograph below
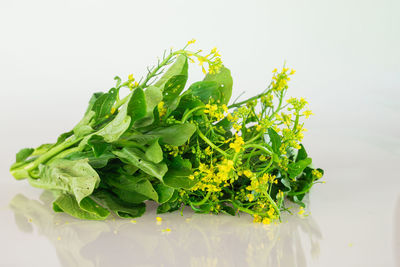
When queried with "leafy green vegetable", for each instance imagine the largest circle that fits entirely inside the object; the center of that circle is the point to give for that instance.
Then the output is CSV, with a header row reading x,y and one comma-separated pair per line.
x,y
178,147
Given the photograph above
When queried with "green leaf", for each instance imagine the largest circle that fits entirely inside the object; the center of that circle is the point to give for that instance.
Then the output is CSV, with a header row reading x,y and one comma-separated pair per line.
x,y
129,196
121,208
137,158
83,127
228,209
180,67
115,128
96,162
87,208
275,140
224,79
164,192
103,104
206,91
178,174
23,154
172,90
137,105
301,154
296,168
137,184
153,96
93,100
75,177
154,152
98,145
175,135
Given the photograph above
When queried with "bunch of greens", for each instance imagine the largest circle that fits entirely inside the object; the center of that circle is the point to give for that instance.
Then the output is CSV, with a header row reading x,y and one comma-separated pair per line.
x,y
178,147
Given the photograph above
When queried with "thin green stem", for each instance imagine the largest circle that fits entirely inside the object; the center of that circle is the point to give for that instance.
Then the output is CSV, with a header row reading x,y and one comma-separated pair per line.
x,y
259,147
201,202
202,136
186,116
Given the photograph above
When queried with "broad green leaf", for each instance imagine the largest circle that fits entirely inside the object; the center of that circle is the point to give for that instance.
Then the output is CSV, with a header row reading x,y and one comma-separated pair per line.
x,y
153,96
228,209
175,135
275,140
178,174
23,154
103,104
92,100
180,67
137,158
138,184
115,128
224,79
121,208
206,91
98,145
296,168
87,209
301,154
154,152
137,105
75,177
173,89
129,196
164,192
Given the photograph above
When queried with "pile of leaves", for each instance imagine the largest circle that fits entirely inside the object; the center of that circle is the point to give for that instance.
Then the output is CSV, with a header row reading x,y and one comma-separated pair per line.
x,y
178,147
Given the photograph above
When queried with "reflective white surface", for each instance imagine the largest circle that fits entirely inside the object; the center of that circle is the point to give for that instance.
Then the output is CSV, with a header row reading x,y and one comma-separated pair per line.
x,y
353,220
54,54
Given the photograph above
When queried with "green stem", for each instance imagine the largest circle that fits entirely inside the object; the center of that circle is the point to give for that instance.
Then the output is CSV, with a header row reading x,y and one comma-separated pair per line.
x,y
273,204
247,100
186,116
259,147
201,202
54,151
202,136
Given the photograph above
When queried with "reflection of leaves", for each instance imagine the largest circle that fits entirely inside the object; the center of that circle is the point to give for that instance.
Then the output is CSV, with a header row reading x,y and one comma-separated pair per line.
x,y
202,240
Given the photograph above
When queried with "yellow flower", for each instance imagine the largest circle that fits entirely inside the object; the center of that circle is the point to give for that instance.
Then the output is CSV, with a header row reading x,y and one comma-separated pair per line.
x,y
248,173
275,70
161,109
317,174
208,151
266,221
225,108
130,77
307,113
191,41
292,72
237,127
257,218
237,144
159,219
258,127
250,197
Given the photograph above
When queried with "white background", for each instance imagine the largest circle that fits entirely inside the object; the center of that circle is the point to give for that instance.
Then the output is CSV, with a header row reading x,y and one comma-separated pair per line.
x,y
55,54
